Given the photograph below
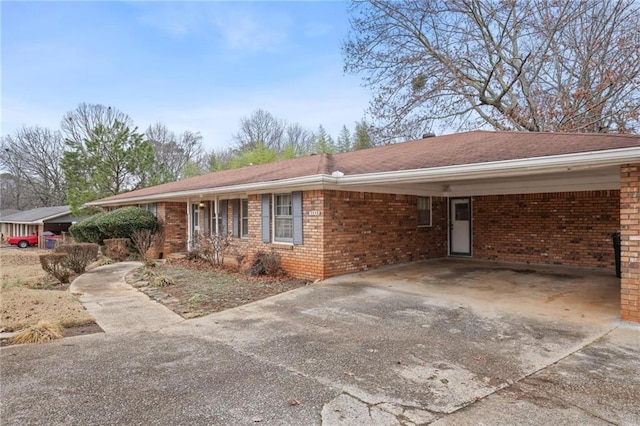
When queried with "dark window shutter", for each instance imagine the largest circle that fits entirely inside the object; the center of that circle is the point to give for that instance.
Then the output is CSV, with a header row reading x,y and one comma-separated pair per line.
x,y
296,200
207,217
235,219
266,218
223,216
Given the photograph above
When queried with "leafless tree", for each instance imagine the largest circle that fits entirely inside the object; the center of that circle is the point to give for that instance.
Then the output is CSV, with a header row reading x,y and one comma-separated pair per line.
x,y
260,126
298,139
78,125
31,161
528,65
173,152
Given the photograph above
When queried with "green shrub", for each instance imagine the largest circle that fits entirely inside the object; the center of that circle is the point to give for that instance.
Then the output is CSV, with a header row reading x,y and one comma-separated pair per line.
x,y
119,223
55,265
88,231
79,256
123,222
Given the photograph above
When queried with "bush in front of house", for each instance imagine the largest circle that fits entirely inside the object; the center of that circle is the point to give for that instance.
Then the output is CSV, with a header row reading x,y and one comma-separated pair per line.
x,y
119,223
88,231
123,222
55,265
265,263
79,255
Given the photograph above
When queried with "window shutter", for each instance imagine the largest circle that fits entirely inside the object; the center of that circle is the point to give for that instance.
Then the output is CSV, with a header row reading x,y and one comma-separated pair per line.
x,y
266,213
223,216
296,200
235,219
207,217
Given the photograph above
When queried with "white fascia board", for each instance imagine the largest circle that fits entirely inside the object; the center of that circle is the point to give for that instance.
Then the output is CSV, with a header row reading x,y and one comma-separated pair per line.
x,y
496,169
16,222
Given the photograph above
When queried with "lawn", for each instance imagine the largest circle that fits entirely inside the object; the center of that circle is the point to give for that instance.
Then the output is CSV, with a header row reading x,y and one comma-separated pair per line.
x,y
28,295
193,289
189,288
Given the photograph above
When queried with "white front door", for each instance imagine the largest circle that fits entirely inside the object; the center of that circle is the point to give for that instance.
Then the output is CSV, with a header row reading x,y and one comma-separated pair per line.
x,y
460,226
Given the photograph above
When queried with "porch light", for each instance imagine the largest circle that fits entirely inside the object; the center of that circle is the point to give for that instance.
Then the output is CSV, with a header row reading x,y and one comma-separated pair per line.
x,y
201,204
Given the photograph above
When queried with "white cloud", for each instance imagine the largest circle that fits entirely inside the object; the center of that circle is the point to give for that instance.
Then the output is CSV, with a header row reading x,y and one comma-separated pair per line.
x,y
242,30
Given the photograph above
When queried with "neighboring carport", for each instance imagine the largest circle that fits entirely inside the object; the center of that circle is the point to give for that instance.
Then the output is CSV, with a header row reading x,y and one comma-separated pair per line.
x,y
56,219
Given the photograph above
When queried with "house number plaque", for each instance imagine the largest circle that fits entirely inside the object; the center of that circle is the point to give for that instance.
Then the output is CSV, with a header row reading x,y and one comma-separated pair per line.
x,y
314,213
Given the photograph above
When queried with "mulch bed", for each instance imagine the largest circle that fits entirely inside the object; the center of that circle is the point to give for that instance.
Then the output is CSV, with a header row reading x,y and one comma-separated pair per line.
x,y
198,288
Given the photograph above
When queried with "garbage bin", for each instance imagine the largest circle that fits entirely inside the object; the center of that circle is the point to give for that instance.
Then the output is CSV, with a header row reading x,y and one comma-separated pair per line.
x,y
616,250
49,243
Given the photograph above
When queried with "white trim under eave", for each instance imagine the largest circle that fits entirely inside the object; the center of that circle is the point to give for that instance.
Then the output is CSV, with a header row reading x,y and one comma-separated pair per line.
x,y
494,169
497,169
303,182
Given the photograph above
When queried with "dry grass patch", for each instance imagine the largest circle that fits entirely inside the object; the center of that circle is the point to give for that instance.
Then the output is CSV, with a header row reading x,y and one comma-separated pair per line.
x,y
23,306
42,332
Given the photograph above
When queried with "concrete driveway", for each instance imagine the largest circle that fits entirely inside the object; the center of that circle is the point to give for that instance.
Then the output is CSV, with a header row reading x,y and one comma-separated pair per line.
x,y
442,342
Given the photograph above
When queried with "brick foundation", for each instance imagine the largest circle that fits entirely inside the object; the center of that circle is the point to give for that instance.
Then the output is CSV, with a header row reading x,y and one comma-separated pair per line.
x,y
572,228
630,242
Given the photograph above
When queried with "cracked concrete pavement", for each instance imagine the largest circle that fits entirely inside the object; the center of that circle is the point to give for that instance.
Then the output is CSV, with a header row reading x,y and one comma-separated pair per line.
x,y
379,348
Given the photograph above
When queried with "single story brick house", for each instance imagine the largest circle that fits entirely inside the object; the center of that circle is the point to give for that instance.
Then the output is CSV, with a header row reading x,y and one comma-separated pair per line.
x,y
548,198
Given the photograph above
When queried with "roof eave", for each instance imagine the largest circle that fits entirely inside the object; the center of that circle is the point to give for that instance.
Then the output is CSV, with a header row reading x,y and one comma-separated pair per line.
x,y
493,169
303,181
505,168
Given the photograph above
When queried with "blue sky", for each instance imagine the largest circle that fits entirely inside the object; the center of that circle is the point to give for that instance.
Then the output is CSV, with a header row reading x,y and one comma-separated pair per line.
x,y
198,66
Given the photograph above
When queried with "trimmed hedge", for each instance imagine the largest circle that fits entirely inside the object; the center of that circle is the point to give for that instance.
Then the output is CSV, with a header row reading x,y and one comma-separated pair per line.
x,y
119,223
88,231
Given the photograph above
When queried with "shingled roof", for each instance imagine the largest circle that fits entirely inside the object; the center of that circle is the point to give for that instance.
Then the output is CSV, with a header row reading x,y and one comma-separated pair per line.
x,y
474,147
37,215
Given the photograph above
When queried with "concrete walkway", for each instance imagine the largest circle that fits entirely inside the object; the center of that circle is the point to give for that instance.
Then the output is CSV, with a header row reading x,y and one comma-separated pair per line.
x,y
117,307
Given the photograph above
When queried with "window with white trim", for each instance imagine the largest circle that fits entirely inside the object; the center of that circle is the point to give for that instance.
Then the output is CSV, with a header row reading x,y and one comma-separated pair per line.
x,y
244,218
283,218
424,211
213,219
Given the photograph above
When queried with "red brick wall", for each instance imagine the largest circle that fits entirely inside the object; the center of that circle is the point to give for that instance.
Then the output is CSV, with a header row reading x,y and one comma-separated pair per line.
x,y
630,242
572,228
353,231
302,261
366,230
174,216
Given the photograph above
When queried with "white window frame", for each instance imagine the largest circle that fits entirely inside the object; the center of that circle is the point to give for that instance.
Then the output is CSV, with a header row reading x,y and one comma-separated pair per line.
x,y
429,201
215,215
244,230
276,216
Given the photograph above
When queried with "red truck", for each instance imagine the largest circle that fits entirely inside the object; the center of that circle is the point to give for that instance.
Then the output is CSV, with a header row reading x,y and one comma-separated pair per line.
x,y
24,241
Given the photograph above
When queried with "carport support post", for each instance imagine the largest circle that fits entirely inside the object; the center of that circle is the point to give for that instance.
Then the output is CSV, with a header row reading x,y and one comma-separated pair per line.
x,y
630,242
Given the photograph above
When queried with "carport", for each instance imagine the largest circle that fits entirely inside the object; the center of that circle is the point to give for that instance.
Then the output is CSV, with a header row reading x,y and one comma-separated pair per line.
x,y
548,210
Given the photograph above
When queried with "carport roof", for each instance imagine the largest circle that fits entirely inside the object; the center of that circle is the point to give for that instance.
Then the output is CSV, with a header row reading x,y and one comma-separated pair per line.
x,y
36,216
441,154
